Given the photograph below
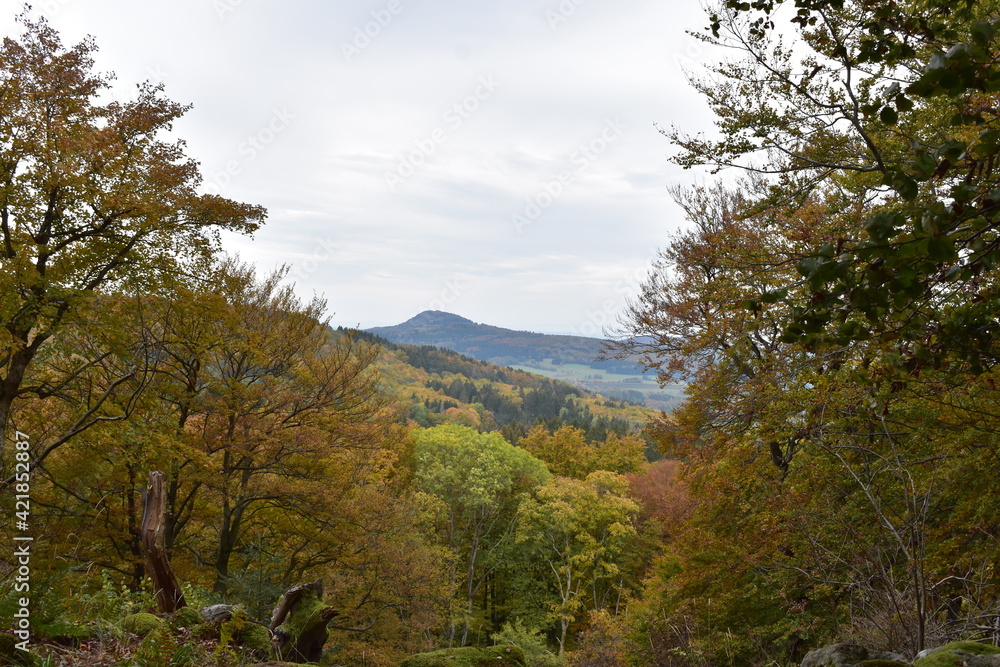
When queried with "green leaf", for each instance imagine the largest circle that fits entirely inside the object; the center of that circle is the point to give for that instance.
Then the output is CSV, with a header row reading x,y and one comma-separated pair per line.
x,y
941,248
888,115
904,185
982,32
924,166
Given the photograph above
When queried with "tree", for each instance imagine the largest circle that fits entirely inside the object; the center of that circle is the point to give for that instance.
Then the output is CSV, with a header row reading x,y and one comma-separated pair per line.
x,y
886,110
480,481
581,530
91,200
566,451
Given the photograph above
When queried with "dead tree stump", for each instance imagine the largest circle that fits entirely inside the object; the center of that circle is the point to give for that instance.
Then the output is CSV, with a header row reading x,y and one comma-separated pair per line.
x,y
299,623
169,596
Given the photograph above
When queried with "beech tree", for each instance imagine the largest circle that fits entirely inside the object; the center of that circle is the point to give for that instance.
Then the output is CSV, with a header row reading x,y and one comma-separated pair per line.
x,y
581,530
92,199
480,481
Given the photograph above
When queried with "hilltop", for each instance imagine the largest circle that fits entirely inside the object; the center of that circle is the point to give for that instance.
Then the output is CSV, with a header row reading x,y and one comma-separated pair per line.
x,y
438,386
573,359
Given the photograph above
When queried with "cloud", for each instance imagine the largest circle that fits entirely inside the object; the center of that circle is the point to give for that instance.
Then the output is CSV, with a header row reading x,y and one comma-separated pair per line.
x,y
309,108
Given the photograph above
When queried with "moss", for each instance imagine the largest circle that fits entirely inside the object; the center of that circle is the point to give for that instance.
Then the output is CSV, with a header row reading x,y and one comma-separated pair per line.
x,y
185,617
943,656
306,614
883,663
502,656
140,624
256,639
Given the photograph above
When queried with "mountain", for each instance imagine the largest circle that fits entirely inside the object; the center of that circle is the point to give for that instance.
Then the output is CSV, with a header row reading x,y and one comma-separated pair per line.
x,y
573,359
506,347
435,386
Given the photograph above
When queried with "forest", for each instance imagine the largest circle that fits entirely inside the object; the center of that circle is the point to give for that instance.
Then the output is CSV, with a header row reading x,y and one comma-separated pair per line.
x,y
833,474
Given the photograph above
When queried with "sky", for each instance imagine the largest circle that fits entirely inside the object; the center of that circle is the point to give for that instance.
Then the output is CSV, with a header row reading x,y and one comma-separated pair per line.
x,y
499,160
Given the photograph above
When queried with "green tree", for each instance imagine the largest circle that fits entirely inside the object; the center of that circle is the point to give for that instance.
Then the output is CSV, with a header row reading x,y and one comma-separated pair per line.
x,y
480,480
885,112
581,530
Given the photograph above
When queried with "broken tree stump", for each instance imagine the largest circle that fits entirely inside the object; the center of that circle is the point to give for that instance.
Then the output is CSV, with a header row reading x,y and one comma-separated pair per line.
x,y
299,623
169,596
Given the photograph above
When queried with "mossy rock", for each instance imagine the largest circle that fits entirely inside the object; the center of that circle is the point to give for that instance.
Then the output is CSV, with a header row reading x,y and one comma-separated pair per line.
x,y
141,624
883,663
256,639
469,656
185,617
943,657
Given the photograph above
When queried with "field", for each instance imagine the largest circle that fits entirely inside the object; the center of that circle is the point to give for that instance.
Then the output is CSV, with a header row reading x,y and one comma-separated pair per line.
x,y
637,388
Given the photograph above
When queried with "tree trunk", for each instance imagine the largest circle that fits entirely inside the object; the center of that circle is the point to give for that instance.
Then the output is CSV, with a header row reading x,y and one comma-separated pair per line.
x,y
169,597
299,624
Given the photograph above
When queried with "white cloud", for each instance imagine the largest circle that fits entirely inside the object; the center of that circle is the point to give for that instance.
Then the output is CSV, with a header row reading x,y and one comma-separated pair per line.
x,y
381,255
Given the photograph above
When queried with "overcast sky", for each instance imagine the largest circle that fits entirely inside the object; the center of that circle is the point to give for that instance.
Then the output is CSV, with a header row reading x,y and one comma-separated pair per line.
x,y
497,159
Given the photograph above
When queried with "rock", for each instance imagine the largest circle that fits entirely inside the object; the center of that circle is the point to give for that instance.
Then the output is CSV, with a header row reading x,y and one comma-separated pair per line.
x,y
216,612
255,638
973,660
469,656
140,624
887,656
185,617
957,653
836,655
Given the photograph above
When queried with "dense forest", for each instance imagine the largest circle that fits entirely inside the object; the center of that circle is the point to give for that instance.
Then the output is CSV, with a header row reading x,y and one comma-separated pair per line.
x,y
832,475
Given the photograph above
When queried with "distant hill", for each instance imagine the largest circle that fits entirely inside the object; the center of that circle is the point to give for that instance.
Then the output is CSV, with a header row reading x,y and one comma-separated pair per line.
x,y
436,385
497,345
573,359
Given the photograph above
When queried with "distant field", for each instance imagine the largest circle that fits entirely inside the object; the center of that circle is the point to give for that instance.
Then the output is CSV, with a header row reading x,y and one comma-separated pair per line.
x,y
610,384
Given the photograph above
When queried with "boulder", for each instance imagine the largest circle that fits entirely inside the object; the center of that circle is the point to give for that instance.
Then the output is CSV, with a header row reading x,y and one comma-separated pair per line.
x,y
836,655
215,613
973,660
959,654
141,624
469,656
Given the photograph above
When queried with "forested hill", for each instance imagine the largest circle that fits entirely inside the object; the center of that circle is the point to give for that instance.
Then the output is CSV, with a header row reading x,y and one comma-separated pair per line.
x,y
438,386
505,347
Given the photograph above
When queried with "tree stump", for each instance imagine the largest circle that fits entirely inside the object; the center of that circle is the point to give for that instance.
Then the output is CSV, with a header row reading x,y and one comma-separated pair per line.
x,y
169,597
299,623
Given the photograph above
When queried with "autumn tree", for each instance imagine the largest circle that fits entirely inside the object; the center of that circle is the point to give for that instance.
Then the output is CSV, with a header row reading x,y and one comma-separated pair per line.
x,y
479,481
567,452
581,530
92,199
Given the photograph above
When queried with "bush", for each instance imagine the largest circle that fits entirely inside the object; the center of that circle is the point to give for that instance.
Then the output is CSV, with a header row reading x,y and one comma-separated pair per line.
x,y
530,641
